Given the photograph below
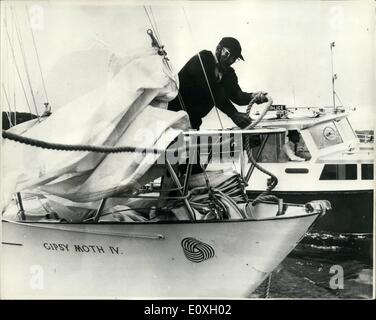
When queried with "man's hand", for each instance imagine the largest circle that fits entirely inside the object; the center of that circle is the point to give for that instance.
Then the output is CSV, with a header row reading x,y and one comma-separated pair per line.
x,y
259,97
241,119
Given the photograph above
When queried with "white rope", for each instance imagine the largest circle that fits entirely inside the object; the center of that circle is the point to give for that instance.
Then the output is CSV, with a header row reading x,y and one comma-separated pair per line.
x,y
15,20
37,54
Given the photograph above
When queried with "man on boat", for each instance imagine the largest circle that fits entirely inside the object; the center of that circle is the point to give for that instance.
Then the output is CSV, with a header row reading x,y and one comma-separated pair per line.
x,y
208,79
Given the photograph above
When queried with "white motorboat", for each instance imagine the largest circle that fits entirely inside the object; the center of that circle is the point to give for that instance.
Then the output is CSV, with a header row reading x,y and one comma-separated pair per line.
x,y
337,166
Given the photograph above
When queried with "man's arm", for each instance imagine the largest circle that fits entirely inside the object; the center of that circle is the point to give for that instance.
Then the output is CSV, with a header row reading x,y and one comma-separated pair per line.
x,y
233,90
225,105
221,98
236,94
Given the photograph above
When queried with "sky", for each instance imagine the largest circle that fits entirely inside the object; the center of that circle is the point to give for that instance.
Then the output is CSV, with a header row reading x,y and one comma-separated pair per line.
x,y
286,46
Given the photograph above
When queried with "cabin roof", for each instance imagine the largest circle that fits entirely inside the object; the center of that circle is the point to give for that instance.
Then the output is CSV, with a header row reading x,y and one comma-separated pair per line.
x,y
256,130
302,122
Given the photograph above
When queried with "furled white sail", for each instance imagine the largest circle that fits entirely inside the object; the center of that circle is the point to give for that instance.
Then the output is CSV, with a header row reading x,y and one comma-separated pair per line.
x,y
129,110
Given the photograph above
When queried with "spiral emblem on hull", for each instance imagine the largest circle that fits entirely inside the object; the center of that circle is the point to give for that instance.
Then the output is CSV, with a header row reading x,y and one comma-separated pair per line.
x,y
196,251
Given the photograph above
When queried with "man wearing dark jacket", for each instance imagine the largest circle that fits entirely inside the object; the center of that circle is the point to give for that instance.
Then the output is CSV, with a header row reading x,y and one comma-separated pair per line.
x,y
218,85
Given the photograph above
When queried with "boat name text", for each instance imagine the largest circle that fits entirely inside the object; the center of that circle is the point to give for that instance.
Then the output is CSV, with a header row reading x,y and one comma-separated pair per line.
x,y
82,248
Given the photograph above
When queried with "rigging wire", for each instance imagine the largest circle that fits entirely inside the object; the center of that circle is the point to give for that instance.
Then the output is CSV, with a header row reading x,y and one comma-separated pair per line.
x,y
154,27
4,53
212,195
151,23
37,55
181,101
17,68
203,69
14,79
8,73
207,82
15,20
155,23
338,98
211,92
9,114
5,65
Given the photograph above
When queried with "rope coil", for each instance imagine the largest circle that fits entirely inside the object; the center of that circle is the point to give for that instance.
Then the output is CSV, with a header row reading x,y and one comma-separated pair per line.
x,y
264,196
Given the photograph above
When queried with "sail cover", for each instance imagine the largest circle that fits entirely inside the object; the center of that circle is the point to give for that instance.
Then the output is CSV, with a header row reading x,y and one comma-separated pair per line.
x,y
130,109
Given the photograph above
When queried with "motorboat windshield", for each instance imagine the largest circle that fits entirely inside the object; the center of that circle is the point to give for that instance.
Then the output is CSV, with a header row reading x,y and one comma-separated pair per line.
x,y
333,133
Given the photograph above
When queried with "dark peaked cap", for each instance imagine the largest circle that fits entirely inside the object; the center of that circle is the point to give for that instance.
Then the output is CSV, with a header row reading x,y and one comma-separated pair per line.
x,y
233,45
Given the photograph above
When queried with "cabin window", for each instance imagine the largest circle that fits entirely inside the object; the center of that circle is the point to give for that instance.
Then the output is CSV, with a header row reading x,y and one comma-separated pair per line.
x,y
294,146
367,171
346,129
339,172
273,152
326,135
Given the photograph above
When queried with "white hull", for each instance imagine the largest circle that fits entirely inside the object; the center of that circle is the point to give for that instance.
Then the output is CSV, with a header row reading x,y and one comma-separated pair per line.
x,y
304,182
147,259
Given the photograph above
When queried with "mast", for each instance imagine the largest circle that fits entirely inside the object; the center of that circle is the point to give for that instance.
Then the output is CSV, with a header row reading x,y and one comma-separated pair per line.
x,y
334,75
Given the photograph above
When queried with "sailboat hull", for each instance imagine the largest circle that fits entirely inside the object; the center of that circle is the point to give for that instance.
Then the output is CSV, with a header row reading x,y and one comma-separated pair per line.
x,y
145,260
